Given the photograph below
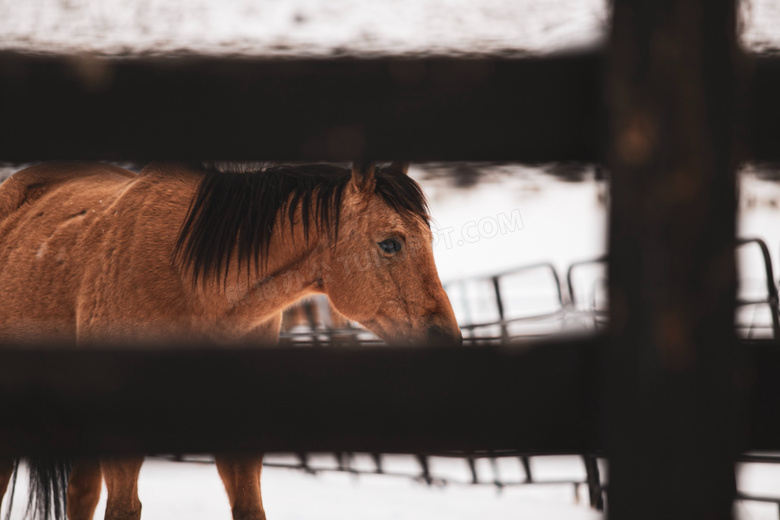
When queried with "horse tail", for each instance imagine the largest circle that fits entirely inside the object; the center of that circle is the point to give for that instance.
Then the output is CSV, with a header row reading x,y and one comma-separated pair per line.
x,y
48,488
14,472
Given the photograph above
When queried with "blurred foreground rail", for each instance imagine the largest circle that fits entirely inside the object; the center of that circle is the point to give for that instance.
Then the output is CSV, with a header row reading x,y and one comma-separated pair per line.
x,y
377,399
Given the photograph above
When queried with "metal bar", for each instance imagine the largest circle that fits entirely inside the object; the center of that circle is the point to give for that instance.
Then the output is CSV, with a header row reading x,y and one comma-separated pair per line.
x,y
496,473
755,498
594,481
425,470
526,463
505,322
765,459
672,84
570,273
377,458
431,108
500,307
473,468
771,289
513,270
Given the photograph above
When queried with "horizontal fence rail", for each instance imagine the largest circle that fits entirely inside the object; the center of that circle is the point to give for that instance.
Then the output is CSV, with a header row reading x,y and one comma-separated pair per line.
x,y
442,108
541,398
378,399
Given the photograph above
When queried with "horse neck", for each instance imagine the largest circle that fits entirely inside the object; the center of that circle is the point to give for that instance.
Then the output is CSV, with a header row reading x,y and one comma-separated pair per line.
x,y
292,270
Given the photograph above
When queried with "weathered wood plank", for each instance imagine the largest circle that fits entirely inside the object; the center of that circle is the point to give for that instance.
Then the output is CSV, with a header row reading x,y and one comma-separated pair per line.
x,y
672,86
536,109
761,130
377,399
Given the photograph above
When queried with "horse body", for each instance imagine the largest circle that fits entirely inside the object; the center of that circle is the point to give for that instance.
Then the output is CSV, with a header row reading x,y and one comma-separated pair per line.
x,y
87,259
92,253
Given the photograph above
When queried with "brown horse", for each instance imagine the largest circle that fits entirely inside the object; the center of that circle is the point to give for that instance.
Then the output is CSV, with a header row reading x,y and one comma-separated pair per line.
x,y
92,253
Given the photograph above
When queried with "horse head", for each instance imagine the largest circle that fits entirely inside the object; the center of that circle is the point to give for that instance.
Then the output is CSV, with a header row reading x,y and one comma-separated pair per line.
x,y
360,237
382,272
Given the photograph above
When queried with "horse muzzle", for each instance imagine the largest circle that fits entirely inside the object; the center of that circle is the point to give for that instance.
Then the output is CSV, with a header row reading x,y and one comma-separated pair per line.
x,y
440,336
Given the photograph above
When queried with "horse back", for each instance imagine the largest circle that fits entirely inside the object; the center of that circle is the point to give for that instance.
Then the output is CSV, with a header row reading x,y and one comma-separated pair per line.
x,y
26,186
66,231
86,256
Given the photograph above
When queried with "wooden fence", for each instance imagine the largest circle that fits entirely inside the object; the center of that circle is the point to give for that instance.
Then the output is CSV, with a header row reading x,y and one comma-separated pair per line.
x,y
672,106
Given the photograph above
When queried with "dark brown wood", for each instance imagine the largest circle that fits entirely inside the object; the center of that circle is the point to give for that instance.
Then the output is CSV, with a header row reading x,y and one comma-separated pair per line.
x,y
492,108
763,360
376,399
762,130
442,108
672,89
325,399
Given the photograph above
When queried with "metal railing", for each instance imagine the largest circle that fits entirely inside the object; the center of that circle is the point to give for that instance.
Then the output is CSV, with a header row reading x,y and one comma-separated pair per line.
x,y
574,306
771,299
345,463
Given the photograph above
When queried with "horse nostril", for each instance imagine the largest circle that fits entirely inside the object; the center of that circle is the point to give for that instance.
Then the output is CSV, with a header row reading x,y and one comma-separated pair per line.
x,y
440,336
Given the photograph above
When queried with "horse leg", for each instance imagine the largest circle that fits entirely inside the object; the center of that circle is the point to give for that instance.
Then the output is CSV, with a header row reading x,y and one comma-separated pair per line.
x,y
241,476
241,473
84,485
121,475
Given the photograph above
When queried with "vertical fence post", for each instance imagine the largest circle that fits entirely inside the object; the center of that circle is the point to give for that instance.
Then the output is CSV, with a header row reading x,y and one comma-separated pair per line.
x,y
671,89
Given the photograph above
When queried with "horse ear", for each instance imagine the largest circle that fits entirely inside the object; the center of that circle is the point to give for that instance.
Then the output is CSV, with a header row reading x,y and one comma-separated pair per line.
x,y
401,166
363,175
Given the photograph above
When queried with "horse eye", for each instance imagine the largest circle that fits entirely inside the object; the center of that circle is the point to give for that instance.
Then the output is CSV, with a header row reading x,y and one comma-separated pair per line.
x,y
390,246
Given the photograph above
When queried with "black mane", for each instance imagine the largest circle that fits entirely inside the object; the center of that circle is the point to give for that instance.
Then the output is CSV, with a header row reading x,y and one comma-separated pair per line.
x,y
238,211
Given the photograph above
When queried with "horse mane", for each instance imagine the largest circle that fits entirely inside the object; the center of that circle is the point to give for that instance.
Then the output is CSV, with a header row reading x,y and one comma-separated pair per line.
x,y
235,209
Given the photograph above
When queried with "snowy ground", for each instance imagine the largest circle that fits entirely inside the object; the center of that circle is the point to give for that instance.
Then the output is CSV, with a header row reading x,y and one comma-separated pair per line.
x,y
317,27
300,26
761,30
194,491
